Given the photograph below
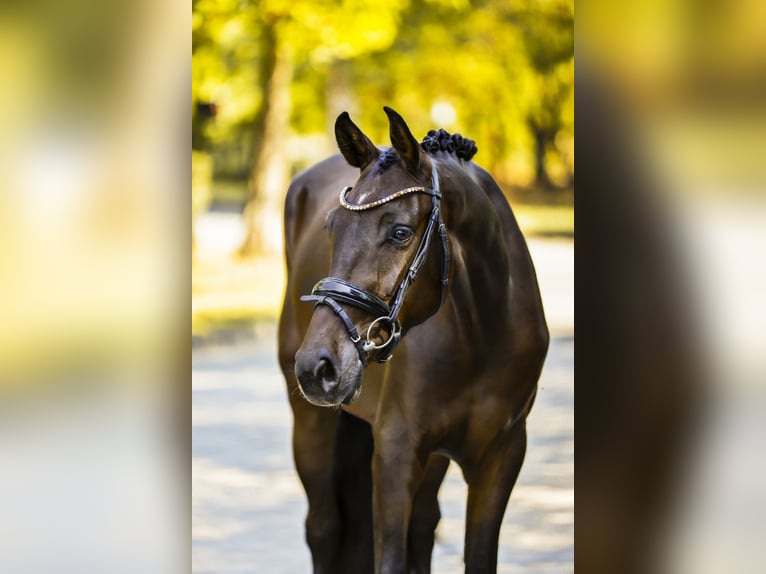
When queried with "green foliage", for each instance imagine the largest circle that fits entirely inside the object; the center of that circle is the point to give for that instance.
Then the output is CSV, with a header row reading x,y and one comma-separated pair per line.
x,y
499,72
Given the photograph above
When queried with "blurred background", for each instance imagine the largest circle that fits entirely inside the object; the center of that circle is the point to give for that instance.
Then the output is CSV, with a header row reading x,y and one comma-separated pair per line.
x,y
671,221
94,283
269,79
96,236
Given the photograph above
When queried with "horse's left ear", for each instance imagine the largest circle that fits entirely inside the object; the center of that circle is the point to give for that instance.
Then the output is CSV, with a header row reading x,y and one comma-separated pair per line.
x,y
356,147
404,143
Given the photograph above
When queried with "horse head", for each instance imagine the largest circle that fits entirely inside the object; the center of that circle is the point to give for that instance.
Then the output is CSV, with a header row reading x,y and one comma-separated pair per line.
x,y
387,231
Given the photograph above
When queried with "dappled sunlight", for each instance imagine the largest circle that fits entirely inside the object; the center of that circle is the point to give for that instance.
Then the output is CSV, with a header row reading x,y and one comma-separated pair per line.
x,y
241,413
248,506
269,79
554,264
234,487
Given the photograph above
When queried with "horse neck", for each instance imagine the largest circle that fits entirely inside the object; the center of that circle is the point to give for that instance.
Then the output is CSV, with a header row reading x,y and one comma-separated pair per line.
x,y
480,294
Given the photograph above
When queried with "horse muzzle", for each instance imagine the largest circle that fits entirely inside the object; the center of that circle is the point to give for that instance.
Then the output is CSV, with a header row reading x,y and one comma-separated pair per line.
x,y
326,380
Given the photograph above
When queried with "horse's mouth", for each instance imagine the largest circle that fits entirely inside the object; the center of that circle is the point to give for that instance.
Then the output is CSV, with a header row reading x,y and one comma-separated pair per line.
x,y
355,394
333,401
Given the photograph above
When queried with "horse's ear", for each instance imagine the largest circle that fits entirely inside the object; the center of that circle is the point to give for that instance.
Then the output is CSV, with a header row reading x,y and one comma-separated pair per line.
x,y
356,147
403,141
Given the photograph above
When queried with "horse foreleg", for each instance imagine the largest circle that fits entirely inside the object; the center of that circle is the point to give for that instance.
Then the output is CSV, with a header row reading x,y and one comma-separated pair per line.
x,y
490,482
396,475
425,516
353,482
314,431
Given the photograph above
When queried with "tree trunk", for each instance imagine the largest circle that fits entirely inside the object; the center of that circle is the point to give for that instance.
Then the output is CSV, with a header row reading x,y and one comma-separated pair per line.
x,y
270,168
542,139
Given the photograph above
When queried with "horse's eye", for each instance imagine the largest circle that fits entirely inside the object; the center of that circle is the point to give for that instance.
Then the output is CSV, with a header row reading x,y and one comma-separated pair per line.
x,y
401,234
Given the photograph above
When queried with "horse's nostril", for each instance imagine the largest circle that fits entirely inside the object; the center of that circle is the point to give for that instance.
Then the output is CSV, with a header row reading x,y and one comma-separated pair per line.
x,y
324,373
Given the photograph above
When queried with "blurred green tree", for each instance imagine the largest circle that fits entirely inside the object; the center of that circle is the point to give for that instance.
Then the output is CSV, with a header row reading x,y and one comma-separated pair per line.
x,y
499,72
547,30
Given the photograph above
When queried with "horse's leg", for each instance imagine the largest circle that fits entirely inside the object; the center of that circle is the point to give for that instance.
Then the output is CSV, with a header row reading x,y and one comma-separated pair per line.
x,y
425,516
490,483
353,482
396,474
314,431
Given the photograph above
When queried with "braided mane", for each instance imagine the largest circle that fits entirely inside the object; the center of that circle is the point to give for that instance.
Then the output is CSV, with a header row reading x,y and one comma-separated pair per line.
x,y
456,144
435,141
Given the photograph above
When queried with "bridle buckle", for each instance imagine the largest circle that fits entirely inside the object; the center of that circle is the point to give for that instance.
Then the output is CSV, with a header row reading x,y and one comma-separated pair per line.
x,y
396,332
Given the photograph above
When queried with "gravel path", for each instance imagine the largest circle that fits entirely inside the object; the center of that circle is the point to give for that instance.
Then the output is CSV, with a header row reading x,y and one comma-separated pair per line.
x,y
248,505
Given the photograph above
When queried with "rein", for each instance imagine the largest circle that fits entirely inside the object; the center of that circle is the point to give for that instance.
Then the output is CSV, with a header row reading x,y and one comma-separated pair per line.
x,y
332,291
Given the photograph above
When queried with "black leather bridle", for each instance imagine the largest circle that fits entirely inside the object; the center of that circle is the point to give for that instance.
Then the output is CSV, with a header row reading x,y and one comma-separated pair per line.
x,y
332,291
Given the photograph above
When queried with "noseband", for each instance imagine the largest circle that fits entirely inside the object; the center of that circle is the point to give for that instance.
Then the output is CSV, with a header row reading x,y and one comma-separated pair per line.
x,y
332,291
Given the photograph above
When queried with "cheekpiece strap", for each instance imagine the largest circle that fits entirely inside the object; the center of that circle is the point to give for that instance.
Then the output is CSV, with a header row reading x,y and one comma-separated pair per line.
x,y
332,291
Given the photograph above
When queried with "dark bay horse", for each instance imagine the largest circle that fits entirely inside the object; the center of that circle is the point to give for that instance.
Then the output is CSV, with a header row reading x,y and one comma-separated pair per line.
x,y
373,437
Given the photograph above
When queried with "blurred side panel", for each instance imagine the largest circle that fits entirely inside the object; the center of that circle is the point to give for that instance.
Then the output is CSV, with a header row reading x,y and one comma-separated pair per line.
x,y
94,250
671,220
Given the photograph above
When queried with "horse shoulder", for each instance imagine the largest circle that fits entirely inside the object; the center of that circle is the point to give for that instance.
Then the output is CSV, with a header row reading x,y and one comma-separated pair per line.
x,y
532,330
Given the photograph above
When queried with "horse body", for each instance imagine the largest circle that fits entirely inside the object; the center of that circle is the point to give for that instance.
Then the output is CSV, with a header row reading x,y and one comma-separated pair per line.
x,y
461,381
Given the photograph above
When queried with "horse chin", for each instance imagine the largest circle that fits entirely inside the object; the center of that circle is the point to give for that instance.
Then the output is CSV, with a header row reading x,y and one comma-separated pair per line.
x,y
350,376
350,384
357,390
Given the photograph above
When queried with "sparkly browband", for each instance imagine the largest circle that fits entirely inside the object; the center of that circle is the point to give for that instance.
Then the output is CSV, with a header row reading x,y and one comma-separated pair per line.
x,y
396,195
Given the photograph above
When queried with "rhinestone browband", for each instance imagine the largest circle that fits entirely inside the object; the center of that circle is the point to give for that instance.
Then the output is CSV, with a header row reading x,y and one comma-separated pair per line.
x,y
376,203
